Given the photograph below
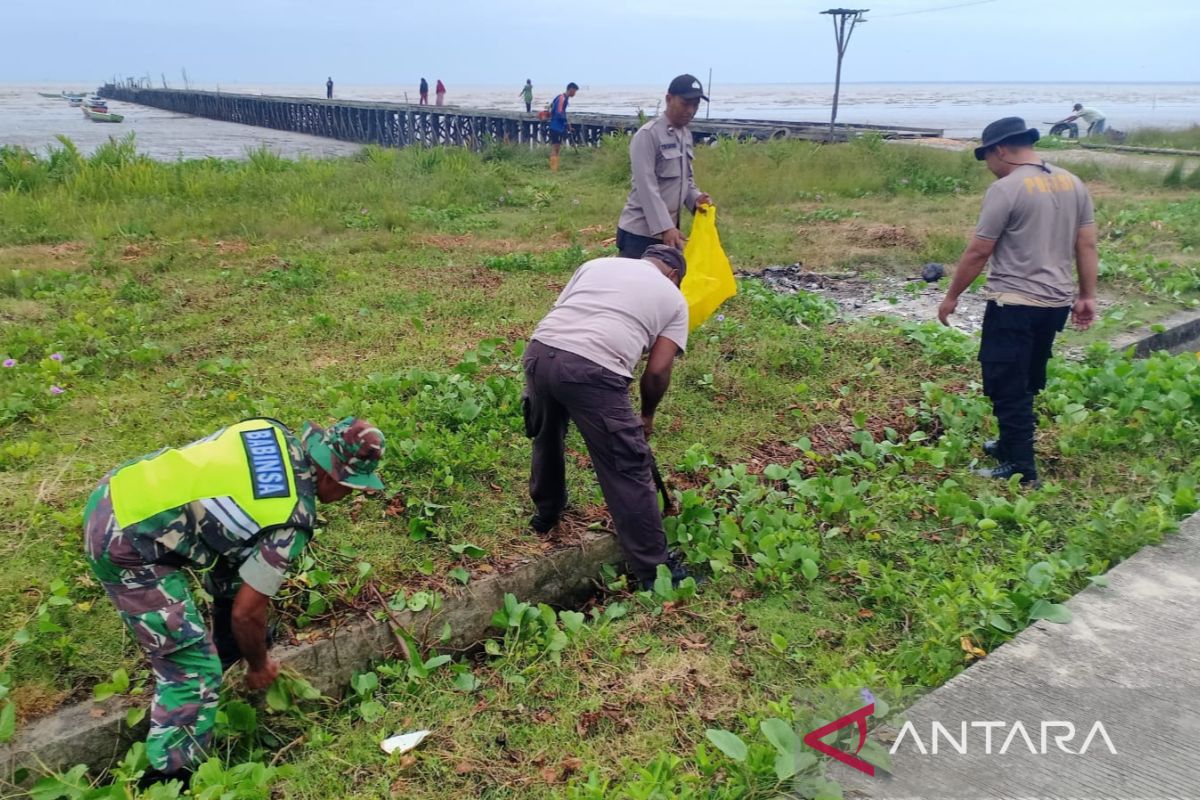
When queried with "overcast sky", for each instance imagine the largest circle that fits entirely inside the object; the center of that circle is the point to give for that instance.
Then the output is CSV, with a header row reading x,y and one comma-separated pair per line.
x,y
600,43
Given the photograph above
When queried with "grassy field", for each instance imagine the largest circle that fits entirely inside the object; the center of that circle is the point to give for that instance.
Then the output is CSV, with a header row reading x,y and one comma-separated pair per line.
x,y
824,466
1183,139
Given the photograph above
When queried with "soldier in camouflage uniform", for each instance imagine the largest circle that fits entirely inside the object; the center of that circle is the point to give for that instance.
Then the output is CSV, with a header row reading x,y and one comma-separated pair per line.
x,y
243,533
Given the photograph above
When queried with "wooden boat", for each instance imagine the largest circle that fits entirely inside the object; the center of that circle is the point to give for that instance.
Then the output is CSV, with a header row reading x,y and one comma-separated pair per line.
x,y
75,101
52,96
96,104
102,116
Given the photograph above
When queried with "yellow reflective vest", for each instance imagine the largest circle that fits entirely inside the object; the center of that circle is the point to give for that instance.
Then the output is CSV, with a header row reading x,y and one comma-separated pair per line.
x,y
243,475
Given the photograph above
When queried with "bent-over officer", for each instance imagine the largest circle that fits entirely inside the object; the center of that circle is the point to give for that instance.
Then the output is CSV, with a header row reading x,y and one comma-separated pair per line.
x,y
240,504
1036,223
660,156
578,368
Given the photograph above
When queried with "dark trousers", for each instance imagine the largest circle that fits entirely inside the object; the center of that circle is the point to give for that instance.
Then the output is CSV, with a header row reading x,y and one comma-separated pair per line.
x,y
631,245
562,387
528,106
1013,354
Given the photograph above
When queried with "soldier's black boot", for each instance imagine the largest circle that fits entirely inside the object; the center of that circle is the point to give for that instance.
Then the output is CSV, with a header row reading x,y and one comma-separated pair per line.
x,y
152,776
227,646
226,643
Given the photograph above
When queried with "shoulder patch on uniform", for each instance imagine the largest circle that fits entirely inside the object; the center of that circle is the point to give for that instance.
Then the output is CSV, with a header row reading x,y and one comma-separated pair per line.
x,y
268,472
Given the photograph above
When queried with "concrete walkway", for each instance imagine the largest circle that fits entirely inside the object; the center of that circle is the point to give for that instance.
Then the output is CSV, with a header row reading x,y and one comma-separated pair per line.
x,y
1129,659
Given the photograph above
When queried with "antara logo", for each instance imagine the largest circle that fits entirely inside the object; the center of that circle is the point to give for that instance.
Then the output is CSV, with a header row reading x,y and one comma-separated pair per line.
x,y
1060,731
813,739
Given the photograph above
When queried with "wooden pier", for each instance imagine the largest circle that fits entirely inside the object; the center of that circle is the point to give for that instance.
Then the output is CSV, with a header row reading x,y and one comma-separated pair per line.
x,y
402,124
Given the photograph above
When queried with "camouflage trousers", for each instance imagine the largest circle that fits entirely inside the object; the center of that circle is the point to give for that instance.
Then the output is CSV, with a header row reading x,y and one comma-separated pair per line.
x,y
157,605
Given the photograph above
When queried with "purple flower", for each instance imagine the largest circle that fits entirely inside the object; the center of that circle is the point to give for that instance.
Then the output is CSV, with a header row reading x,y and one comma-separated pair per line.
x,y
720,317
56,390
867,696
56,356
10,363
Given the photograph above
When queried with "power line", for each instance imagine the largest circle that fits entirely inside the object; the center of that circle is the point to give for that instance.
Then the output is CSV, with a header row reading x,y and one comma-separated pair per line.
x,y
938,8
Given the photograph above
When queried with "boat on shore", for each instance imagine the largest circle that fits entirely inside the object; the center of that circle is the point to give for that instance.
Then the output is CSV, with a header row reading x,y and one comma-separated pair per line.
x,y
102,116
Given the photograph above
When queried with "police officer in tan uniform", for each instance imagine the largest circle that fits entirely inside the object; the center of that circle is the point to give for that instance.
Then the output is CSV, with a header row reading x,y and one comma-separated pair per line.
x,y
661,157
1036,237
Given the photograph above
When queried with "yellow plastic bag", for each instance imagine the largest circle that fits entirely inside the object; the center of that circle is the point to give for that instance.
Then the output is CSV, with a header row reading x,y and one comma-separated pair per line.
x,y
709,280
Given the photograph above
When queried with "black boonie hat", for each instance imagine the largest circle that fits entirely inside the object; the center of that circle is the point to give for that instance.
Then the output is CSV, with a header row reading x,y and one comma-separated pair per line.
x,y
669,256
1000,130
688,87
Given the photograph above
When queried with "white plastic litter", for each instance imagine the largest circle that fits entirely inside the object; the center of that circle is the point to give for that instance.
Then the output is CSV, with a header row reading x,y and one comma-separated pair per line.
x,y
403,742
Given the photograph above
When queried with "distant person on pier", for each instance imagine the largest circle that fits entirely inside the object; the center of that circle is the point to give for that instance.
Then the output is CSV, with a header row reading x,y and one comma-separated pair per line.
x,y
441,93
424,92
329,89
661,157
527,94
559,127
1094,119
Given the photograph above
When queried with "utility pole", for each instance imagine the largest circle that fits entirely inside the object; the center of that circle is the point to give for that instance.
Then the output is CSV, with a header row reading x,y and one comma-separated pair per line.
x,y
708,103
842,34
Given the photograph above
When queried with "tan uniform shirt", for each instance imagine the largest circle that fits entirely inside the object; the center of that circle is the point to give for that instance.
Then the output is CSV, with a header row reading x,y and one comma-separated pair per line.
x,y
612,311
661,158
1034,216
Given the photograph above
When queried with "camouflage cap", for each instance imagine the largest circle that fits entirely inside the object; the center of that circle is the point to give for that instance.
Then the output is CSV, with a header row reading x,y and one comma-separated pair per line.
x,y
350,450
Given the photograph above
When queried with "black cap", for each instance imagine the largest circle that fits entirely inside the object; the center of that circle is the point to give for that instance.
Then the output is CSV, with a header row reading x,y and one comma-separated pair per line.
x,y
1000,130
669,256
688,87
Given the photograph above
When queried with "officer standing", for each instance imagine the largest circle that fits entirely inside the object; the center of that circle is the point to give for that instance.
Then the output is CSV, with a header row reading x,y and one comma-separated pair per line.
x,y
1036,223
661,159
578,368
241,504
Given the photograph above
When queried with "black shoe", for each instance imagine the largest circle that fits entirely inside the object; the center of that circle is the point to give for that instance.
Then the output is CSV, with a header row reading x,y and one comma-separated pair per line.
x,y
1006,470
152,776
991,449
542,525
679,574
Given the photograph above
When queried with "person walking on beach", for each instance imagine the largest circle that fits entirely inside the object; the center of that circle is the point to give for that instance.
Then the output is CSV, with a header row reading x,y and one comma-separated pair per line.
x,y
1094,119
1035,223
578,367
660,155
329,89
424,90
240,505
441,92
559,127
527,94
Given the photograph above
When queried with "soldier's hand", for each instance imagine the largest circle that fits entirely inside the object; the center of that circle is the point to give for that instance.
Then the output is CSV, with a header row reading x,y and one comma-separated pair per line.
x,y
1084,313
948,307
674,238
262,678
703,200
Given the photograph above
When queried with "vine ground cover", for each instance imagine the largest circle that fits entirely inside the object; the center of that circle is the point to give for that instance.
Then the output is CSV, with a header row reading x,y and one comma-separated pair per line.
x,y
822,468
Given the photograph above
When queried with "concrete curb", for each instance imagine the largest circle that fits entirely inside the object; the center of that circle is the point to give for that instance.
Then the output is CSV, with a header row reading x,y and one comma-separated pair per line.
x,y
96,734
1130,645
1179,329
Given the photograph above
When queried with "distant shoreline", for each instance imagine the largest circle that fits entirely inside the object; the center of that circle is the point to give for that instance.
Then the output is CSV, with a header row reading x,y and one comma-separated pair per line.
x,y
41,84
